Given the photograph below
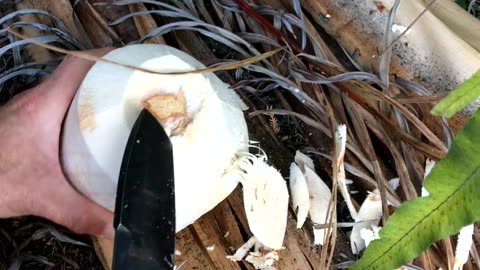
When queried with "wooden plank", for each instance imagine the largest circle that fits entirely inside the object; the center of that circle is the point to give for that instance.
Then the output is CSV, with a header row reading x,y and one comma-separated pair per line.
x,y
229,228
292,256
96,32
123,32
145,24
191,254
212,243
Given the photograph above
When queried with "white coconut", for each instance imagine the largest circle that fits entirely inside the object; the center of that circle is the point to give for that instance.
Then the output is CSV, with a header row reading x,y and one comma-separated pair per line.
x,y
203,116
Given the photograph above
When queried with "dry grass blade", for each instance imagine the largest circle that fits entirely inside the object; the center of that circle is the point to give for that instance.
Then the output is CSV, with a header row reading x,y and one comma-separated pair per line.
x,y
340,145
362,131
412,118
328,249
348,167
89,57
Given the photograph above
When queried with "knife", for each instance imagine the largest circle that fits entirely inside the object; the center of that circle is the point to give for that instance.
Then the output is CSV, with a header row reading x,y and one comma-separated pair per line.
x,y
144,215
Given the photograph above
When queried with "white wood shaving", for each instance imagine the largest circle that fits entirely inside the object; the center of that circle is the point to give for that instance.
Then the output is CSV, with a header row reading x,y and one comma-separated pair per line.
x,y
243,250
180,266
211,248
256,258
261,261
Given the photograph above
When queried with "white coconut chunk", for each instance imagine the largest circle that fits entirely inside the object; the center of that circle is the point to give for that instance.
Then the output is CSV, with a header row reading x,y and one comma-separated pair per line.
x,y
303,160
368,235
266,197
429,164
299,193
320,196
464,245
262,261
394,183
369,215
318,236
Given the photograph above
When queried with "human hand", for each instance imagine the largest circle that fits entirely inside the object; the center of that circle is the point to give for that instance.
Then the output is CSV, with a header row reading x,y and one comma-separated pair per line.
x,y
31,178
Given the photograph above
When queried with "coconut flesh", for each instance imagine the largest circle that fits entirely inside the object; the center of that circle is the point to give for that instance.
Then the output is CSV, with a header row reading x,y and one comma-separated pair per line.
x,y
205,122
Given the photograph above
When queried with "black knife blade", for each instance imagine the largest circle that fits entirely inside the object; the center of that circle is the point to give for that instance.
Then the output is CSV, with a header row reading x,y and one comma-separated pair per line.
x,y
144,216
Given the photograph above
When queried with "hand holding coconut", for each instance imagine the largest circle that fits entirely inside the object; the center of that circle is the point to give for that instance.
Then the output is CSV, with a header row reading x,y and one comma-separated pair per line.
x,y
31,178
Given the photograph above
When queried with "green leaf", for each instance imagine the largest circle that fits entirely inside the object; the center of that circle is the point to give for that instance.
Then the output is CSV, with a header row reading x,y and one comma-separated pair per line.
x,y
460,98
454,202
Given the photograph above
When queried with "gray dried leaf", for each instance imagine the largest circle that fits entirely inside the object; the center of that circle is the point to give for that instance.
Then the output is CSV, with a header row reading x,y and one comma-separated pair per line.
x,y
298,9
23,72
22,43
384,69
68,260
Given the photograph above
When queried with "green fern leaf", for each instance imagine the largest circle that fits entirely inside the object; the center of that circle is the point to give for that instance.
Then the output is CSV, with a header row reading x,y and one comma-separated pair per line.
x,y
454,202
456,101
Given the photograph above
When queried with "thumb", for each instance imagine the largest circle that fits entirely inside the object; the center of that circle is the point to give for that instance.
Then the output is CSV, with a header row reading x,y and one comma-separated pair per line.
x,y
70,209
60,88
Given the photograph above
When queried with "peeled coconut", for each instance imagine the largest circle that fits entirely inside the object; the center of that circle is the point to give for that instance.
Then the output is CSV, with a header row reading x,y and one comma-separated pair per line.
x,y
205,122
